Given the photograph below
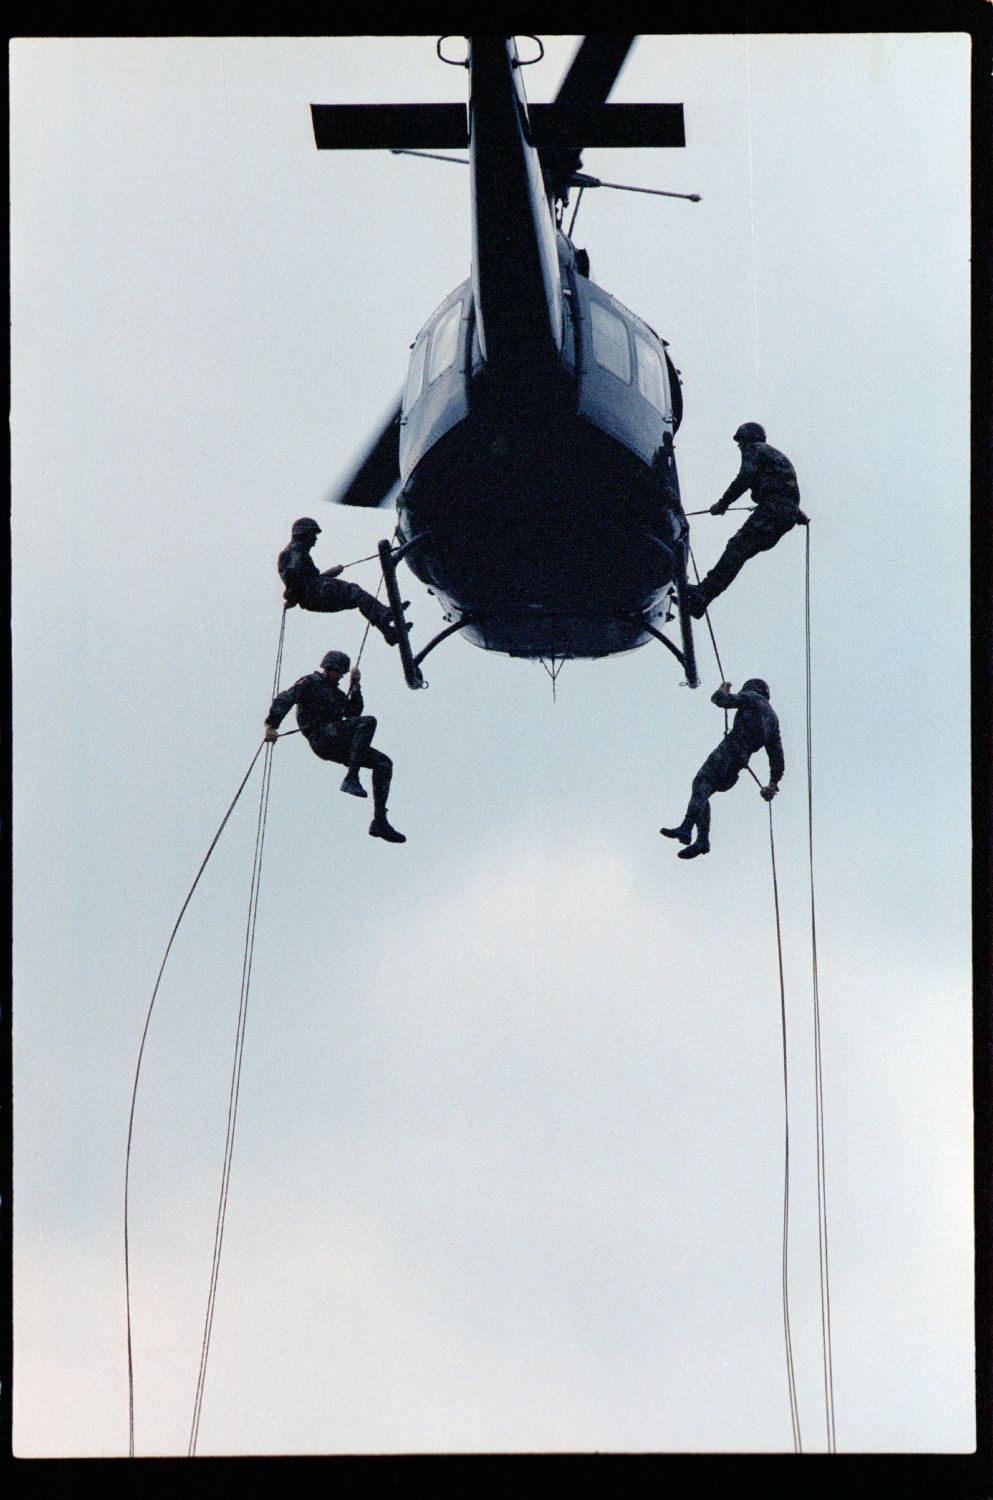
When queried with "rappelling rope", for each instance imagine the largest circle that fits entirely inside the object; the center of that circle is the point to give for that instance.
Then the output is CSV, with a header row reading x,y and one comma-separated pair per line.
x,y
240,1041
791,1378
134,1091
818,1080
398,623
144,1036
713,640
279,653
731,510
794,1413
246,979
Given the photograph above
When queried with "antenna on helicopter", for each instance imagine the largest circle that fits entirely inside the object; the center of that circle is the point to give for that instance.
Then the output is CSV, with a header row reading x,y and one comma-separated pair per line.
x,y
462,161
582,180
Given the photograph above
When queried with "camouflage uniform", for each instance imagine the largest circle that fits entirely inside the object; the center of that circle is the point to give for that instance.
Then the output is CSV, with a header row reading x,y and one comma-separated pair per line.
x,y
333,725
772,480
755,727
304,585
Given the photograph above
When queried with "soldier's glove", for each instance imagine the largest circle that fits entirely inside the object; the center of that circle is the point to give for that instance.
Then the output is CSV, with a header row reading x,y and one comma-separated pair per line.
x,y
717,510
768,792
271,735
801,519
333,572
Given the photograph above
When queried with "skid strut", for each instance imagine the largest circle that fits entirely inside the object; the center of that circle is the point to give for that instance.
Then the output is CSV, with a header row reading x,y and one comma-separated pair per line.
x,y
388,561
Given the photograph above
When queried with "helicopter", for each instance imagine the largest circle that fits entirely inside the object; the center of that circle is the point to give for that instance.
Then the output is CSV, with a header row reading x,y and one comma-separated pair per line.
x,y
531,455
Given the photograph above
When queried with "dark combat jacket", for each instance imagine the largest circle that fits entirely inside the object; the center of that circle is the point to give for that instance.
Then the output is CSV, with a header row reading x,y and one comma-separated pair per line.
x,y
755,727
298,570
318,702
767,473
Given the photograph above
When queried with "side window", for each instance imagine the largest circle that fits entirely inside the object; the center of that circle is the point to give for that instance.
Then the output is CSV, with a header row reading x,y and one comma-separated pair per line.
x,y
445,342
650,379
415,375
610,341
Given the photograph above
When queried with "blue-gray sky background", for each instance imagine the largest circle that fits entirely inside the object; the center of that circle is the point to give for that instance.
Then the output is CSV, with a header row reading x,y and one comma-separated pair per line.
x,y
508,1171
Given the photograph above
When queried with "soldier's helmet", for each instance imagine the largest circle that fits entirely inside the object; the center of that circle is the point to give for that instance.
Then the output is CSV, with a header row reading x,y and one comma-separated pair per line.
x,y
750,432
305,526
336,660
756,685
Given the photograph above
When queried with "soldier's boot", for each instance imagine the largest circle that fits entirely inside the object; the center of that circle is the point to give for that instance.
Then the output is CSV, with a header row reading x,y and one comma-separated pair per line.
x,y
682,833
380,828
353,785
696,600
701,846
385,625
378,614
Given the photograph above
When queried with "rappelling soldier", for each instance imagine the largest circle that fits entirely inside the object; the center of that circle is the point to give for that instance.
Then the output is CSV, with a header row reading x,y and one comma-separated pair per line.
x,y
326,592
335,728
755,727
772,480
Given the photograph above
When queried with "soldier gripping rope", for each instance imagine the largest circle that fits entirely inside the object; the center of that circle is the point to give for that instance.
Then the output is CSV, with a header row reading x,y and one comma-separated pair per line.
x,y
772,480
335,728
326,592
755,727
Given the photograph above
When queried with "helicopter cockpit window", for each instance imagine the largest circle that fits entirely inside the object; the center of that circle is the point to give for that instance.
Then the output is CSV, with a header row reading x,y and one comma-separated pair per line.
x,y
610,341
415,375
650,382
445,342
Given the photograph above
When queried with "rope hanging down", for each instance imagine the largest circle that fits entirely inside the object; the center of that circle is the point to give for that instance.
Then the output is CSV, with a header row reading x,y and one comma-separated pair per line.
x,y
794,1412
134,1091
239,1048
368,623
246,979
713,641
822,1215
144,1036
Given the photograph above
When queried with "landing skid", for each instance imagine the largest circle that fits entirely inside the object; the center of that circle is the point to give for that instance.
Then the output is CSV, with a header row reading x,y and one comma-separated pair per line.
x,y
389,557
676,555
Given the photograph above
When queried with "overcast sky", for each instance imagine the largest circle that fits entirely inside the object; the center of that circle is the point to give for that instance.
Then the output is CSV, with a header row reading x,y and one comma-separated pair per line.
x,y
508,1172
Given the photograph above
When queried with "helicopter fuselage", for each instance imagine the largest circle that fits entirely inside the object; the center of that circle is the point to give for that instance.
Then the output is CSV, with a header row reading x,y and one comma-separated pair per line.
x,y
537,499
536,429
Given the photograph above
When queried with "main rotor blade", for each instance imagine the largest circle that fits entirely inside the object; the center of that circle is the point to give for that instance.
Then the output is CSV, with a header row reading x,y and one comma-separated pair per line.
x,y
593,71
375,480
554,126
365,127
400,127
